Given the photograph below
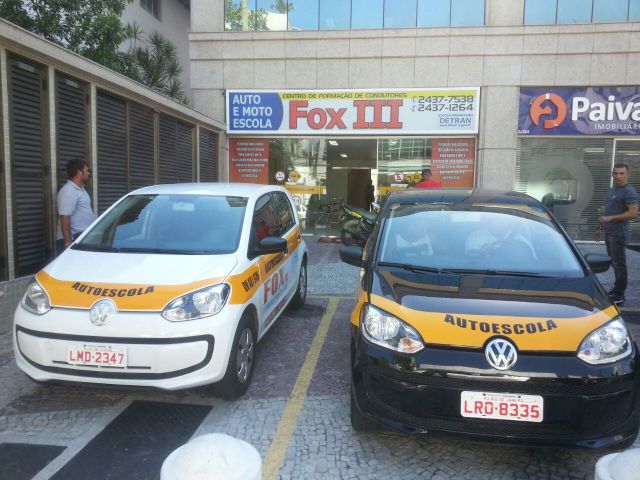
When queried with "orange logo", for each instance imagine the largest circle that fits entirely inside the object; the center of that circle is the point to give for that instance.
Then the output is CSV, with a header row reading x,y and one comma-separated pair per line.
x,y
540,107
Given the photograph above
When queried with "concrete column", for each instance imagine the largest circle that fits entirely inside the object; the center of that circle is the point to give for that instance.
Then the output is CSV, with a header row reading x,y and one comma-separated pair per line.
x,y
4,96
498,137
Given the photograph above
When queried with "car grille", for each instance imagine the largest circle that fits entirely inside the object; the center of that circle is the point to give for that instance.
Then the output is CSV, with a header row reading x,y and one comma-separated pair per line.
x,y
571,410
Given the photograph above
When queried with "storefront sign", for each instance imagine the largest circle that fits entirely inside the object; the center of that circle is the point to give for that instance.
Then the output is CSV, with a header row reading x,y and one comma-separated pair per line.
x,y
453,162
349,112
249,160
579,111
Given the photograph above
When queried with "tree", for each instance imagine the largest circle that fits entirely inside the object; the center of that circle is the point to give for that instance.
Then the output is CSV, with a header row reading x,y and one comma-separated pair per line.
x,y
93,29
89,28
282,6
240,17
152,60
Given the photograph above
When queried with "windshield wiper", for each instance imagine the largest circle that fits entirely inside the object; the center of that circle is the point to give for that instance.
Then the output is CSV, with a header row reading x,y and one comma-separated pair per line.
x,y
414,268
461,271
93,248
505,273
169,251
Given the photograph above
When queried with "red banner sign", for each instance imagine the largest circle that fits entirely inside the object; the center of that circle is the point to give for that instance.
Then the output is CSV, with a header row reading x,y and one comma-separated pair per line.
x,y
453,162
249,160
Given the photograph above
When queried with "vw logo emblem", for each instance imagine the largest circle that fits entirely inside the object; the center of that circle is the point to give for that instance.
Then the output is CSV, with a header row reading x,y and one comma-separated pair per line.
x,y
102,312
501,354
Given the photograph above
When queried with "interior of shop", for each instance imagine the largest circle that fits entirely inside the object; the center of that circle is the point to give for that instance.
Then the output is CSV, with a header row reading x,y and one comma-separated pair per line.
x,y
321,174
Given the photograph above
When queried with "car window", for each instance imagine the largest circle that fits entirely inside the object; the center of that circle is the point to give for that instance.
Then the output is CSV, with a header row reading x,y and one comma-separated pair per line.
x,y
189,224
284,211
272,217
480,237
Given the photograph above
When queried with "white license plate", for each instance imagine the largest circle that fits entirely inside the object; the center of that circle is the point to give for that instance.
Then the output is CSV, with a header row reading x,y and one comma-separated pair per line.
x,y
502,406
97,355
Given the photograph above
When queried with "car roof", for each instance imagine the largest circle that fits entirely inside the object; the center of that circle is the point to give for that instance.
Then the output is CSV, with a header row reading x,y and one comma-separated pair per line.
x,y
228,189
475,196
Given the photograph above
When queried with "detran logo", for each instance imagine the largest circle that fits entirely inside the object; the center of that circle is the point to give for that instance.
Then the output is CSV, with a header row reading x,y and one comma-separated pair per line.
x,y
543,106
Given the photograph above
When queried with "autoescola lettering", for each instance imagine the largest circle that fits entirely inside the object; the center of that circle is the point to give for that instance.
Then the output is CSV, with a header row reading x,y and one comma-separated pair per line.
x,y
501,328
274,284
111,292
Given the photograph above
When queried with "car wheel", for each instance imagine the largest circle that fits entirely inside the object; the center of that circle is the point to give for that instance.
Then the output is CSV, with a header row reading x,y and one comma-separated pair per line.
x,y
241,361
359,422
300,297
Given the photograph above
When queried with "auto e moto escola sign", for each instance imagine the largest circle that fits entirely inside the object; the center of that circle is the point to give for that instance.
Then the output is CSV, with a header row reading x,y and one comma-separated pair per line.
x,y
348,112
579,111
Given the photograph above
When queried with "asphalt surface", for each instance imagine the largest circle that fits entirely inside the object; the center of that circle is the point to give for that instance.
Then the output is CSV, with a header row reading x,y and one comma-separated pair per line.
x,y
296,411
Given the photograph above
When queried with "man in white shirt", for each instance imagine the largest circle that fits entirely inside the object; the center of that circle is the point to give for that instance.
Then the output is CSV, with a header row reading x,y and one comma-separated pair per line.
x,y
74,204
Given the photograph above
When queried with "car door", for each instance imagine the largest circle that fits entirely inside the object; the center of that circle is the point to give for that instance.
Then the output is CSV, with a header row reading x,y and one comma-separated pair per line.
x,y
273,216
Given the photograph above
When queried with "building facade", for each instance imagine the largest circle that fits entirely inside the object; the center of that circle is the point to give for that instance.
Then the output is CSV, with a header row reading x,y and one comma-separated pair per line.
x,y
521,56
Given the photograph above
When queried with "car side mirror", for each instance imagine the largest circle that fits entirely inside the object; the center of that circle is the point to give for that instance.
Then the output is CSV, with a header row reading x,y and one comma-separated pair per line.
x,y
598,263
352,255
271,245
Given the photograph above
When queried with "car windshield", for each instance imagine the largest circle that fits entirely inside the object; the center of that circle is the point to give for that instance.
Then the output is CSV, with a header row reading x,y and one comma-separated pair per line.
x,y
494,238
179,224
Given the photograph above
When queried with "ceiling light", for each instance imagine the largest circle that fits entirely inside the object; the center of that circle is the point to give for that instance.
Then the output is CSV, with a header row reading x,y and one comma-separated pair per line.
x,y
333,143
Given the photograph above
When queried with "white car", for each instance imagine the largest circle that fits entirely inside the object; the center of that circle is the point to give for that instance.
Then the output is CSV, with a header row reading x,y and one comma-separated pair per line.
x,y
171,288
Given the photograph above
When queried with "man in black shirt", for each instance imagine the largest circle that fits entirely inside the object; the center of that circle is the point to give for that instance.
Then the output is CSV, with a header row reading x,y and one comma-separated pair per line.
x,y
621,206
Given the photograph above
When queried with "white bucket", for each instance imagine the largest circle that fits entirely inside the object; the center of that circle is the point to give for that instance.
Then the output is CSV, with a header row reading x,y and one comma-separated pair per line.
x,y
619,466
213,456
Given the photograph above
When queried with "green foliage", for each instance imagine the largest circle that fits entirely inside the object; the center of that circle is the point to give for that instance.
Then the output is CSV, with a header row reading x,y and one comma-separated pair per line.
x,y
90,28
153,61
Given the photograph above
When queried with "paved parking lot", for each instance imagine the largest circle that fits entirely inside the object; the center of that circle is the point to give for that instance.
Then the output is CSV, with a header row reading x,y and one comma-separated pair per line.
x,y
296,413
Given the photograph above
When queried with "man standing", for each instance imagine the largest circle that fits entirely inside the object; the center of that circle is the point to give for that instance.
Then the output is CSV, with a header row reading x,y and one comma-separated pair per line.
x,y
621,206
74,204
427,181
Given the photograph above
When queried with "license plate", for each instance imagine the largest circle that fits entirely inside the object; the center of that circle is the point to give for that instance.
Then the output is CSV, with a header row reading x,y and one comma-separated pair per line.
x,y
97,355
501,406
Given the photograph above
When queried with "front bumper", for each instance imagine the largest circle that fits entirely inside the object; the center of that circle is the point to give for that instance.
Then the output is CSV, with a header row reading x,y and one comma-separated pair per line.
x,y
161,354
584,406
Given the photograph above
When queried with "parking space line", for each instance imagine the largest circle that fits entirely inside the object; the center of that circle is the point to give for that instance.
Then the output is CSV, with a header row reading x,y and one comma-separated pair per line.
x,y
278,448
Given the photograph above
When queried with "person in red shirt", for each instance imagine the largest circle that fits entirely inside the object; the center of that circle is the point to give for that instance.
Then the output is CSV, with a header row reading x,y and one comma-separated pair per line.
x,y
427,181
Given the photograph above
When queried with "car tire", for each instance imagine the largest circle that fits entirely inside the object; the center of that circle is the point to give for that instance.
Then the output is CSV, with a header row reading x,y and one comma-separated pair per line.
x,y
359,422
300,297
241,362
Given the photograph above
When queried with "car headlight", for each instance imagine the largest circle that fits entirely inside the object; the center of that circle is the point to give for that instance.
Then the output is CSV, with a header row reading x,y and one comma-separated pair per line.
x,y
388,331
36,300
607,344
201,303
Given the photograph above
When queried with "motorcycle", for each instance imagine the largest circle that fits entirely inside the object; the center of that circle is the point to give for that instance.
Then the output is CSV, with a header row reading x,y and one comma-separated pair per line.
x,y
357,224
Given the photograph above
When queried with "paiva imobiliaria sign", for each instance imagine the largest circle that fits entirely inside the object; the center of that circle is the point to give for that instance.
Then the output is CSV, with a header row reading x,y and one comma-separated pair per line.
x,y
579,111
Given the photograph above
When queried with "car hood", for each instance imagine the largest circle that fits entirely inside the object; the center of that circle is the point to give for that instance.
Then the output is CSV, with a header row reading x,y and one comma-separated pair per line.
x,y
538,314
77,279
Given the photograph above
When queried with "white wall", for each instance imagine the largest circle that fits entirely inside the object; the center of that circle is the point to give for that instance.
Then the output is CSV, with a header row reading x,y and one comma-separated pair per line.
x,y
174,24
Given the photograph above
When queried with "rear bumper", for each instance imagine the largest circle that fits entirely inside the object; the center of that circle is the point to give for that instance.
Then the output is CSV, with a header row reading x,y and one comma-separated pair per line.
x,y
584,406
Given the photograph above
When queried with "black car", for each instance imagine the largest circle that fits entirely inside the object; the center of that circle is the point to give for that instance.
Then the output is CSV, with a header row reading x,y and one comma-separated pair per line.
x,y
478,317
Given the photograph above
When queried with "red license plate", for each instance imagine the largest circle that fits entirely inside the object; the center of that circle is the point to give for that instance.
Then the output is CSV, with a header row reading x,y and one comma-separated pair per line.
x,y
97,355
502,406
